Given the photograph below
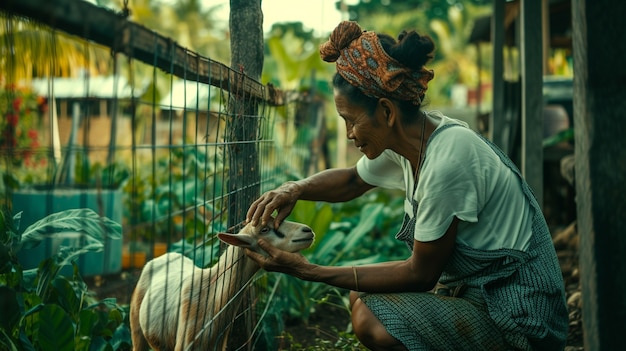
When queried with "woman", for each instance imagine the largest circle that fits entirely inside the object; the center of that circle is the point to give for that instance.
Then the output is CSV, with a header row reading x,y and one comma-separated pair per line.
x,y
483,274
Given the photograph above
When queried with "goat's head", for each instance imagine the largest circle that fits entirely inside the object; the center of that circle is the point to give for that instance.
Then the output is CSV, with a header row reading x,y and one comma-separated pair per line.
x,y
290,236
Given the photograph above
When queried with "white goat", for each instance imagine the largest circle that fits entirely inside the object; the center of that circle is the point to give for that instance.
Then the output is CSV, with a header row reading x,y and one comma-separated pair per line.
x,y
178,306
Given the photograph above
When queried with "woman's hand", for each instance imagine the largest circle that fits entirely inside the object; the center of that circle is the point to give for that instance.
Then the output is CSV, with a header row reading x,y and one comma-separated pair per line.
x,y
283,199
278,260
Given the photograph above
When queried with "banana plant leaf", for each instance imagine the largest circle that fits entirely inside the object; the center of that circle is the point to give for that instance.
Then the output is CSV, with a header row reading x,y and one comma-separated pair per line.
x,y
85,221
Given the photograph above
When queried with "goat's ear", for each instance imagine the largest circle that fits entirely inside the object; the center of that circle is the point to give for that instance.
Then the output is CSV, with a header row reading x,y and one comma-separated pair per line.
x,y
241,240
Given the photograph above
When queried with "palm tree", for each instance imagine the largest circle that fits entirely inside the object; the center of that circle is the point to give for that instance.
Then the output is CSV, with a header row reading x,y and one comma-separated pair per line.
x,y
456,63
29,50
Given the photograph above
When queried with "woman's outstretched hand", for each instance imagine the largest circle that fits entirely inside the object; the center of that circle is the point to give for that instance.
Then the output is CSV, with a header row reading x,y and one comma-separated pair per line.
x,y
282,199
278,260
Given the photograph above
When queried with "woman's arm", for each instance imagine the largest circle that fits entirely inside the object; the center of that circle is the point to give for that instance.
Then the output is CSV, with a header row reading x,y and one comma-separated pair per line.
x,y
420,272
333,185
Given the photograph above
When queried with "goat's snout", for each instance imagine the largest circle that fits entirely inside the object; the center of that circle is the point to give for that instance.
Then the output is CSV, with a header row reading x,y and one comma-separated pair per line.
x,y
306,235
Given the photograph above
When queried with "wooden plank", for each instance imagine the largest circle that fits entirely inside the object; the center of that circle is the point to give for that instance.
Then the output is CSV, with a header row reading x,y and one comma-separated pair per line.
x,y
532,99
108,28
600,148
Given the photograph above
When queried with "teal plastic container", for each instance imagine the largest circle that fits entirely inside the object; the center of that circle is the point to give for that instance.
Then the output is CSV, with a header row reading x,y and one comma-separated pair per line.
x,y
36,204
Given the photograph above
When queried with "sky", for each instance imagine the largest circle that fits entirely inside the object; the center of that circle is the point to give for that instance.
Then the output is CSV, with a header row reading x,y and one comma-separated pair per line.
x,y
319,15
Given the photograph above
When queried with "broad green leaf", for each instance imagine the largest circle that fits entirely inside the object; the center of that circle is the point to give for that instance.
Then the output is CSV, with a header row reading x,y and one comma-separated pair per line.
x,y
56,331
327,245
322,220
66,297
369,216
67,255
85,221
86,322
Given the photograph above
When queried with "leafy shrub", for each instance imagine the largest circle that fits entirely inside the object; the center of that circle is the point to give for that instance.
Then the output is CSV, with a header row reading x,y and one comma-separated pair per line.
x,y
353,233
176,196
342,341
44,310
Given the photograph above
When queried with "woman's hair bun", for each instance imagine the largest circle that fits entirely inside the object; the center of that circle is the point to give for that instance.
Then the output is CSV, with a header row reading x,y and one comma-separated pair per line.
x,y
340,38
412,49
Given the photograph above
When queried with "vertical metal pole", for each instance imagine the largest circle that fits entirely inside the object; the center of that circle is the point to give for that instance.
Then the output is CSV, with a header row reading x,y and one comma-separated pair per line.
x,y
497,39
532,100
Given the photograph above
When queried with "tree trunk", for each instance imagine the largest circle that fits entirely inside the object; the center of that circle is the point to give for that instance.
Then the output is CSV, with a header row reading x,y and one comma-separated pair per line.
x,y
246,30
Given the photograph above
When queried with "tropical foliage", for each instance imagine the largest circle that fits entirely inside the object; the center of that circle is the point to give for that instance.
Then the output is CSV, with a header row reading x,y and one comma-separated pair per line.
x,y
46,309
353,233
179,197
33,47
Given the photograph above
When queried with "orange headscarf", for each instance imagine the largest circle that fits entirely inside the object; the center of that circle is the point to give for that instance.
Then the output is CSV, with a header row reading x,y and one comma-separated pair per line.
x,y
362,61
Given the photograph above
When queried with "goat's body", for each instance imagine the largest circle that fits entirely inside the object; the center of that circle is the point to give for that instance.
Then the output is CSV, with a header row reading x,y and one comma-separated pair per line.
x,y
157,290
174,280
179,306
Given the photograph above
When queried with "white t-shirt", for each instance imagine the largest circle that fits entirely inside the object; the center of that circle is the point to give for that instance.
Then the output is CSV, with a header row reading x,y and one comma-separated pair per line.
x,y
460,176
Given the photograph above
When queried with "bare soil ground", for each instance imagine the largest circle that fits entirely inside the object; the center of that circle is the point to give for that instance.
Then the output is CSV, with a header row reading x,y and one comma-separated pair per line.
x,y
327,320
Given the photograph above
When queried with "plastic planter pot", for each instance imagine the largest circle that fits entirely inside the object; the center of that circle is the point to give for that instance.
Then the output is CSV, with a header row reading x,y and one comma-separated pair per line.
x,y
38,203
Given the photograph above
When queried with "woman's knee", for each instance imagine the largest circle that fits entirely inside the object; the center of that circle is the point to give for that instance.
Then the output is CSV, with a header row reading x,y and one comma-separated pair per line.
x,y
370,331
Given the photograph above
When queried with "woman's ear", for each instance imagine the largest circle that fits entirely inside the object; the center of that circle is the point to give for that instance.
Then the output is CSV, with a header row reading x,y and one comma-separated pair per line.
x,y
388,110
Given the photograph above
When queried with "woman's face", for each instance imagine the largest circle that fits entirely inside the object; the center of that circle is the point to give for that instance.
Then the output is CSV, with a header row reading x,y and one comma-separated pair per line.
x,y
366,128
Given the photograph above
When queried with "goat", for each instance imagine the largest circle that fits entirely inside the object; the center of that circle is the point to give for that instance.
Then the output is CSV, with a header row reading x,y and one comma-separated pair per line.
x,y
179,306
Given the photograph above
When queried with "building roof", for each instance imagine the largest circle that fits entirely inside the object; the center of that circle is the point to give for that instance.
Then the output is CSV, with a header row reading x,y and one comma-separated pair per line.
x,y
187,94
105,87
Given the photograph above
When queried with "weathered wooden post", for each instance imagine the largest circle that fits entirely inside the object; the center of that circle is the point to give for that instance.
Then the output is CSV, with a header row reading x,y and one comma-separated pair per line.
x,y
599,122
246,41
246,45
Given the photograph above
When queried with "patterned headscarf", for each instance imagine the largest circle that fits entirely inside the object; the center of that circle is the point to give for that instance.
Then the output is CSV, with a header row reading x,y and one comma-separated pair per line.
x,y
362,61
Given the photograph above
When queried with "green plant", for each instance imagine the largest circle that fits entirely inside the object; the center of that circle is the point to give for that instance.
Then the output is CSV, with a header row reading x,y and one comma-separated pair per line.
x,y
45,310
178,197
340,341
355,233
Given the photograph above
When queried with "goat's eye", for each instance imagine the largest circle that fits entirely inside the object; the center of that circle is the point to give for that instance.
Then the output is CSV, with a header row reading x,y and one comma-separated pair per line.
x,y
265,230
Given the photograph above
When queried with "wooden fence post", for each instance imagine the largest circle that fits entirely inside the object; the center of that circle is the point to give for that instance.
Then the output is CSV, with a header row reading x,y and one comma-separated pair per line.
x,y
599,122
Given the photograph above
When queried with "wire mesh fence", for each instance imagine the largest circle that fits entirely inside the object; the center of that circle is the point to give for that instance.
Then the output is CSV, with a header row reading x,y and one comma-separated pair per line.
x,y
171,145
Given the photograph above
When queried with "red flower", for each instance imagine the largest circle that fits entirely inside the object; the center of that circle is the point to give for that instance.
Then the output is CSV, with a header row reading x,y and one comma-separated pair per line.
x,y
17,103
32,134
